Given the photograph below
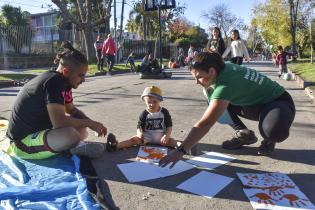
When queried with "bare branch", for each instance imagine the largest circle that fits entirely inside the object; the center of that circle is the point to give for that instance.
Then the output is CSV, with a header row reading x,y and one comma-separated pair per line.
x,y
65,13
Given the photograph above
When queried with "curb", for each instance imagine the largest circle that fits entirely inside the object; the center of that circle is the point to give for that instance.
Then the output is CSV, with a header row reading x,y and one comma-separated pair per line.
x,y
310,93
304,84
7,83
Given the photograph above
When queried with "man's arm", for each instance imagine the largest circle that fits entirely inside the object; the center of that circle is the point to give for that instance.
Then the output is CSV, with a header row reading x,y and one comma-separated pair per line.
x,y
215,109
59,119
74,111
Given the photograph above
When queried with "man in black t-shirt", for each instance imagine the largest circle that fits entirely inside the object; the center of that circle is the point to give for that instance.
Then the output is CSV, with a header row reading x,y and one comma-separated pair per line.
x,y
44,120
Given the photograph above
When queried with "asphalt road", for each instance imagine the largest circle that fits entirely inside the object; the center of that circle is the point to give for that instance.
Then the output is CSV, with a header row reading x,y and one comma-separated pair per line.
x,y
116,102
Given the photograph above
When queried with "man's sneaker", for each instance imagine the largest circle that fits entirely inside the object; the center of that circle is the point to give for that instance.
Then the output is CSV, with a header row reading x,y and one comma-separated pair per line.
x,y
89,149
111,144
240,138
266,147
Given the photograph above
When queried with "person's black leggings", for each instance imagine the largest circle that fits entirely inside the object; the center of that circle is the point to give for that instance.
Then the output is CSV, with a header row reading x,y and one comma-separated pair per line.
x,y
110,61
237,60
275,118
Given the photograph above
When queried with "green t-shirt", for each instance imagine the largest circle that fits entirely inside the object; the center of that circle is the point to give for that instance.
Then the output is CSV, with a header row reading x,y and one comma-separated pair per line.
x,y
243,86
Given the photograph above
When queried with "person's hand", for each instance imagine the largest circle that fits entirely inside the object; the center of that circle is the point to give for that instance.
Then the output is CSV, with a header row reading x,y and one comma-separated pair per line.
x,y
99,128
173,157
165,139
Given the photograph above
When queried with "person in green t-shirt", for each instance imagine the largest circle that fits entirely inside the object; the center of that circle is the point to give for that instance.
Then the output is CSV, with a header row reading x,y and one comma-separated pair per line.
x,y
234,91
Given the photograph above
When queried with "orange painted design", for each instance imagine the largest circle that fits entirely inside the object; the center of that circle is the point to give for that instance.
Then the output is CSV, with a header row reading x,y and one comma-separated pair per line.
x,y
263,198
2,125
294,200
152,154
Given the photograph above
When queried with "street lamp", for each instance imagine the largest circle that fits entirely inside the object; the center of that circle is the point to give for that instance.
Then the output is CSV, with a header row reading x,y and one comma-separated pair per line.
x,y
152,5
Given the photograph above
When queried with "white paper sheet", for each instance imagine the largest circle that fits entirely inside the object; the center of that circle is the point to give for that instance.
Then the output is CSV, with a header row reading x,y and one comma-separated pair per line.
x,y
151,155
139,171
273,191
205,184
210,160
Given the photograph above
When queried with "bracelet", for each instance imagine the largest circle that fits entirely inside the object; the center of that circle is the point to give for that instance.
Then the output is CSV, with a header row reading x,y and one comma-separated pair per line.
x,y
181,149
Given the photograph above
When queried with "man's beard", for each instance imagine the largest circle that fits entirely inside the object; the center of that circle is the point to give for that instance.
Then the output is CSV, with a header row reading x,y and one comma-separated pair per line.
x,y
68,85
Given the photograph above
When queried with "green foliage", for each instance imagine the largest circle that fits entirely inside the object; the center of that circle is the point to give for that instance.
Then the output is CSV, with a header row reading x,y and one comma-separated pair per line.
x,y
15,26
16,76
146,23
183,42
198,36
273,20
305,70
14,16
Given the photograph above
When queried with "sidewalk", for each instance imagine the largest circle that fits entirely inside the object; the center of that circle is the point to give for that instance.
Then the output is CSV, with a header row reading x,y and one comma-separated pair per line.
x,y
116,102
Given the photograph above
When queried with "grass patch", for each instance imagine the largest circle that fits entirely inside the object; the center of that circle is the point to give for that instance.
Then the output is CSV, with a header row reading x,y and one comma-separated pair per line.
x,y
92,70
117,67
305,71
35,71
16,76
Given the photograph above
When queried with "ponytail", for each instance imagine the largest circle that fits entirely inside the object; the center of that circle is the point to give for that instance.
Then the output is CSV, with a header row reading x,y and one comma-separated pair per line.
x,y
70,57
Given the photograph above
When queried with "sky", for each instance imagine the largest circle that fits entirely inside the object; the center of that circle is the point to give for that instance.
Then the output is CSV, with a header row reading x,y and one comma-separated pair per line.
x,y
193,12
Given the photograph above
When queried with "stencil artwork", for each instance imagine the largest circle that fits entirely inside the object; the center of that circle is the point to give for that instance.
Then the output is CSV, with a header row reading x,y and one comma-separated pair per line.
x,y
273,191
151,154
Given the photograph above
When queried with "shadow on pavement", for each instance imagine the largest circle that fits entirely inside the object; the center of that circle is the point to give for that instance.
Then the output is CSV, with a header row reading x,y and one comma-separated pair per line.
x,y
108,171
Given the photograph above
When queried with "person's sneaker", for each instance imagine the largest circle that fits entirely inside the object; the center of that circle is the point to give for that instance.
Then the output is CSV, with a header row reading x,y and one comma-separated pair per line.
x,y
266,147
111,144
89,149
239,139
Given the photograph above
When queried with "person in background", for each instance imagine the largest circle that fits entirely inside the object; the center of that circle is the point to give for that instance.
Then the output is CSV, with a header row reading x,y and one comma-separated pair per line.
x,y
190,56
172,64
98,45
131,61
237,48
109,51
281,60
181,57
216,42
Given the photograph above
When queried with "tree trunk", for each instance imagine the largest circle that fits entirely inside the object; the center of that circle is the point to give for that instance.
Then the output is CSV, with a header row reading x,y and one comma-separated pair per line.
x,y
107,25
293,20
145,33
89,44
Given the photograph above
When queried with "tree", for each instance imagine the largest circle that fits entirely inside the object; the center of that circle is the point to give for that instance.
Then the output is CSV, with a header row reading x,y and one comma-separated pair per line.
x,y
294,5
178,28
146,23
86,16
142,22
255,42
221,17
284,22
15,26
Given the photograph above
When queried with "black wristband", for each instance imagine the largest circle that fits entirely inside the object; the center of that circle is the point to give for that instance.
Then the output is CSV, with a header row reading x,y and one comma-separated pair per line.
x,y
181,149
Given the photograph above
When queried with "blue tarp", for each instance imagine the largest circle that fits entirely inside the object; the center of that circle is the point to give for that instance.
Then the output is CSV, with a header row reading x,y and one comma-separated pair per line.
x,y
54,183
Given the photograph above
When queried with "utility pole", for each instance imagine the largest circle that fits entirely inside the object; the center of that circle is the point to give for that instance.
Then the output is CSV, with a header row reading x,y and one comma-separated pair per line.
x,y
312,56
160,33
115,20
121,19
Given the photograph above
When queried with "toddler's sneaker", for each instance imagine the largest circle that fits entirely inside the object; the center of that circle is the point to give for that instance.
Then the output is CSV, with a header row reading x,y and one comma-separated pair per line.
x,y
111,144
